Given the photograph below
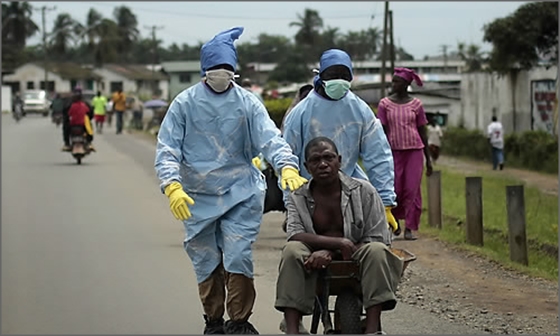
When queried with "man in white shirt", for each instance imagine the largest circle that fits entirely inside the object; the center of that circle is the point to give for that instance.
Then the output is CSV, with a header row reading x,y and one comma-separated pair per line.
x,y
434,138
496,139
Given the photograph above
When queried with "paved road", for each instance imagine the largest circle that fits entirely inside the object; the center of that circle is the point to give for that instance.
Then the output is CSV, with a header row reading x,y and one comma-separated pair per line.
x,y
93,249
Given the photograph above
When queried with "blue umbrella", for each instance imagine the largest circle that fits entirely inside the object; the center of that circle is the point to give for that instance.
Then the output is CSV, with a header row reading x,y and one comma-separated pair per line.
x,y
156,103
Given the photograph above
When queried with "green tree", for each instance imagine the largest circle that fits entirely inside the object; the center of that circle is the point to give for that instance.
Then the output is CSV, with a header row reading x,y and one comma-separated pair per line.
x,y
523,38
291,68
66,32
128,33
308,37
107,47
471,55
330,38
17,27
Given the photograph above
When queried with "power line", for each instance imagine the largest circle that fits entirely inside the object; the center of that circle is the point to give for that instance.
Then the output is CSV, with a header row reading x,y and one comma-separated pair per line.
x,y
226,17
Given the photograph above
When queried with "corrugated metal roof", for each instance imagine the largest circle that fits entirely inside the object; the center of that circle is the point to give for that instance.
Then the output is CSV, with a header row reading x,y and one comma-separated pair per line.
x,y
181,66
68,70
135,72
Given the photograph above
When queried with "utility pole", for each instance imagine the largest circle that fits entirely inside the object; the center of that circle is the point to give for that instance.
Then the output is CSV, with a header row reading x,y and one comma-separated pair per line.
x,y
384,49
44,10
392,43
154,28
444,50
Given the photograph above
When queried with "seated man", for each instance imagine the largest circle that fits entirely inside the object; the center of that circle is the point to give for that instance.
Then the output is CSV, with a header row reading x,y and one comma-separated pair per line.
x,y
335,213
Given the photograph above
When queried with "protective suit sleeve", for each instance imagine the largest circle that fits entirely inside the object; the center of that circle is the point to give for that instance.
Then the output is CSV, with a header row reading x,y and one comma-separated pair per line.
x,y
290,134
375,220
169,145
266,138
377,158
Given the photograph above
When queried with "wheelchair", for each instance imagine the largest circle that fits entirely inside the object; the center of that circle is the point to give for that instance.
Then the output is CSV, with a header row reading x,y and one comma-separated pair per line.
x,y
342,280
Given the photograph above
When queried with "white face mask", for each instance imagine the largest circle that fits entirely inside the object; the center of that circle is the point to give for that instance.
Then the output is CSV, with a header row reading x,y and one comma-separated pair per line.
x,y
219,79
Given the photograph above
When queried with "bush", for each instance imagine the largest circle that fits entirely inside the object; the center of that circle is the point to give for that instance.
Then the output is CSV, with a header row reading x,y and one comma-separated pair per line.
x,y
277,108
535,150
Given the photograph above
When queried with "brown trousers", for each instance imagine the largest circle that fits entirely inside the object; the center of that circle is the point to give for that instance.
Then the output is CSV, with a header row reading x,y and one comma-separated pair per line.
x,y
241,295
380,273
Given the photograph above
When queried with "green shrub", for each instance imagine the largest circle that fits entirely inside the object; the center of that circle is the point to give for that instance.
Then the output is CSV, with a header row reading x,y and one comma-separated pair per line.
x,y
277,108
535,150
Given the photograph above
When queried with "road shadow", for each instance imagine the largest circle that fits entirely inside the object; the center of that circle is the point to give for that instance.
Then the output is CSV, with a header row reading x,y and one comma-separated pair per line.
x,y
70,163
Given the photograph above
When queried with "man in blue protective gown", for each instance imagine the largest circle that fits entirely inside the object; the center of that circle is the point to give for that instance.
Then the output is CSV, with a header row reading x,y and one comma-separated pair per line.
x,y
209,135
333,111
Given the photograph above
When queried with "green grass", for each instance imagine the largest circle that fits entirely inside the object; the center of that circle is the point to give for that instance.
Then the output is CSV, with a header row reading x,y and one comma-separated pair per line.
x,y
541,219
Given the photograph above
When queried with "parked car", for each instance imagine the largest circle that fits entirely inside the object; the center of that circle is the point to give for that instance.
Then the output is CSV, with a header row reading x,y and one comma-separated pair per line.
x,y
36,101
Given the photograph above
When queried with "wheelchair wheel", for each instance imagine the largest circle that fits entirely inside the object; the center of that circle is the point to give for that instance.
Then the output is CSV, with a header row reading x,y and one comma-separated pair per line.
x,y
348,313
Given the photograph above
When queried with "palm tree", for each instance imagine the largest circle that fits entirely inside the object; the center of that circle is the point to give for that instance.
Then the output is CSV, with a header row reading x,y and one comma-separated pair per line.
x,y
330,38
66,30
17,25
109,40
127,30
354,44
373,38
310,25
471,55
92,27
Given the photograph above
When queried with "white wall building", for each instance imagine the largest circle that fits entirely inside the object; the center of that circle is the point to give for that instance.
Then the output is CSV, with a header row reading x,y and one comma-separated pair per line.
x,y
521,105
134,79
62,77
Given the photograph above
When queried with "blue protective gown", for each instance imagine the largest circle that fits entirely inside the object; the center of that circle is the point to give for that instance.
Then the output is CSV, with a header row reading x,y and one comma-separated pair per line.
x,y
206,142
355,130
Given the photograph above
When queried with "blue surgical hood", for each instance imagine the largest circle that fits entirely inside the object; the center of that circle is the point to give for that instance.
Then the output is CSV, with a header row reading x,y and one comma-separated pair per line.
x,y
335,57
220,50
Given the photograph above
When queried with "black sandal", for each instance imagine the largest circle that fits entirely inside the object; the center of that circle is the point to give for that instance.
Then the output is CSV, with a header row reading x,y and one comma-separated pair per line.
x,y
408,235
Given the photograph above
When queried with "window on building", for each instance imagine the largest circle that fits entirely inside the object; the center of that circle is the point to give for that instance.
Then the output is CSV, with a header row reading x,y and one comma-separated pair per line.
x,y
73,84
30,85
89,84
184,77
50,88
115,86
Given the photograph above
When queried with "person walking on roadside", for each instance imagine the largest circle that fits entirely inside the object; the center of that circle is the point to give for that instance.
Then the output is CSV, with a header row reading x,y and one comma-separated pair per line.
x,y
404,121
434,138
99,104
119,107
496,139
208,137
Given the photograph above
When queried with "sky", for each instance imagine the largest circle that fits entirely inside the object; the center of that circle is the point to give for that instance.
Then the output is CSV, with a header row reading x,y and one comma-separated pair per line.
x,y
421,28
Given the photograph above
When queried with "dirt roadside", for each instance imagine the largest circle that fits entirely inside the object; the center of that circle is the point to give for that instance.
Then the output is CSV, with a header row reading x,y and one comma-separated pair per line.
x,y
454,285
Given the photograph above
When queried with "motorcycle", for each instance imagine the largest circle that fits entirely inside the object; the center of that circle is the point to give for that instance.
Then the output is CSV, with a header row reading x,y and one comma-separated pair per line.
x,y
78,143
18,112
57,118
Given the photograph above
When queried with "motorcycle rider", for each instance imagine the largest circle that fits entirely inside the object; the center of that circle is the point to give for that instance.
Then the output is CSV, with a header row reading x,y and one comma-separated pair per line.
x,y
17,102
57,106
77,113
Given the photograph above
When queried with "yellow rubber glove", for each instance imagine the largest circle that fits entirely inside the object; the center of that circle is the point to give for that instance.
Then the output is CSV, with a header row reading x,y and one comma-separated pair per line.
x,y
178,200
393,225
257,162
290,178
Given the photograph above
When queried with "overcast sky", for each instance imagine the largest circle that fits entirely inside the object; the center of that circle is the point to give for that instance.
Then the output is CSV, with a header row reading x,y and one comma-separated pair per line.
x,y
420,27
